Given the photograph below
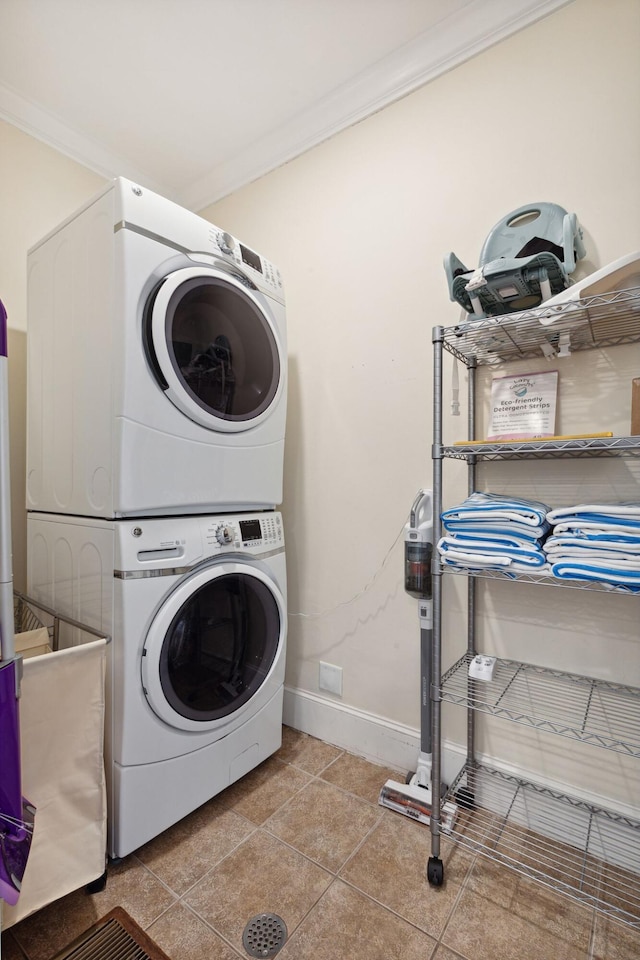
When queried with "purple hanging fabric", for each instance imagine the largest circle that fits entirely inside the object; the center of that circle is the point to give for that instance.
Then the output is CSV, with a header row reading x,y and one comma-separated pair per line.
x,y
16,814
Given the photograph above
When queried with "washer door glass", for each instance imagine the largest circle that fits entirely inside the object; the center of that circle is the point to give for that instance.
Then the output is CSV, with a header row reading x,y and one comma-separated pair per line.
x,y
212,645
213,346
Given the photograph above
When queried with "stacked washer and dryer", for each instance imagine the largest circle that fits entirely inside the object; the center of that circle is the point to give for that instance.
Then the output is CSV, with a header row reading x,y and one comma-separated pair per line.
x,y
157,371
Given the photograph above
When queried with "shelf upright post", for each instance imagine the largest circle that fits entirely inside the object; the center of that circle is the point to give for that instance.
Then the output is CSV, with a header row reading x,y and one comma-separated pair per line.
x,y
471,581
436,660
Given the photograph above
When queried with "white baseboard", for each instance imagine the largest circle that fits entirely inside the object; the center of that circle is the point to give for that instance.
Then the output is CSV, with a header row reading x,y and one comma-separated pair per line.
x,y
394,745
375,738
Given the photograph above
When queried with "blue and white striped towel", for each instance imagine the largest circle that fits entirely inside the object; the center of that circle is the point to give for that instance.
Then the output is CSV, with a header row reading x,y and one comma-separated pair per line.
x,y
612,516
598,542
602,571
498,515
565,546
465,552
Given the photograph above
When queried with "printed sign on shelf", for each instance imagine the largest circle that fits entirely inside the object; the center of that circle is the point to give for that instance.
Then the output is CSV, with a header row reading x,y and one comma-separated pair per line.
x,y
523,407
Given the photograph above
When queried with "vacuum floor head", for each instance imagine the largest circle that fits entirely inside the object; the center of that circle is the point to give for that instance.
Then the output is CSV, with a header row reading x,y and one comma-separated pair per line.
x,y
415,802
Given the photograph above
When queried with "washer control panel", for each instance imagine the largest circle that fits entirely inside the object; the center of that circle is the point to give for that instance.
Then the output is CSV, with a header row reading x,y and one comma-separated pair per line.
x,y
257,533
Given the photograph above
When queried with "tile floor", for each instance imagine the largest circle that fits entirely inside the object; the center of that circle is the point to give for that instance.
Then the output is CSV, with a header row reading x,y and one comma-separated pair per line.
x,y
303,837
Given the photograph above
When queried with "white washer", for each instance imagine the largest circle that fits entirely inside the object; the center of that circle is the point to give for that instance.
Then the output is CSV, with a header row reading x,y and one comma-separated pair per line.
x,y
157,364
196,607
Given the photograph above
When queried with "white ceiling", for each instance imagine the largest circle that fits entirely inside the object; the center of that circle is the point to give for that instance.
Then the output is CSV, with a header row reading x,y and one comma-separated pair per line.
x,y
194,98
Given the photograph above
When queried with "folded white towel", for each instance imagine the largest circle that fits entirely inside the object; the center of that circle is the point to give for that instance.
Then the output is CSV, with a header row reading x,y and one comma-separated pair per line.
x,y
494,508
602,571
606,514
589,529
467,551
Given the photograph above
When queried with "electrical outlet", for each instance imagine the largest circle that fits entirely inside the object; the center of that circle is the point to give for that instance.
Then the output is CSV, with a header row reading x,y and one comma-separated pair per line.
x,y
330,678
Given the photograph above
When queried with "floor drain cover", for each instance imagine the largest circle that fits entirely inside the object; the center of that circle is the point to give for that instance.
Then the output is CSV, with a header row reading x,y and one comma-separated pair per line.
x,y
264,935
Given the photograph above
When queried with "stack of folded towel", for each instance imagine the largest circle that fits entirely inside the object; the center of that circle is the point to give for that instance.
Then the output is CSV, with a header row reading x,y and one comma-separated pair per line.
x,y
596,542
492,532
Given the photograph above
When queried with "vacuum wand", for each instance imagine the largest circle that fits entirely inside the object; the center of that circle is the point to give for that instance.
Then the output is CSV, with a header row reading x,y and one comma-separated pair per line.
x,y
414,797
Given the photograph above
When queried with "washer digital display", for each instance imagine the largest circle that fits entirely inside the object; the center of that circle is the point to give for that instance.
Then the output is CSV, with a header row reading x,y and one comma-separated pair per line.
x,y
250,530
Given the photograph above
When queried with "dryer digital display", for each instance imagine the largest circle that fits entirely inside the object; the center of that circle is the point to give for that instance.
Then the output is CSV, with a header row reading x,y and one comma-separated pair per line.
x,y
251,258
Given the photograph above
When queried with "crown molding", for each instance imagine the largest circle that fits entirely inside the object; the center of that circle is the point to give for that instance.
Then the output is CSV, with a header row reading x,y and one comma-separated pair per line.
x,y
44,126
455,39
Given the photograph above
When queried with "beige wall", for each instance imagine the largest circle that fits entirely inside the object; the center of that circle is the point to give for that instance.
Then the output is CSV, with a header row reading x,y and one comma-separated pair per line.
x,y
39,187
359,227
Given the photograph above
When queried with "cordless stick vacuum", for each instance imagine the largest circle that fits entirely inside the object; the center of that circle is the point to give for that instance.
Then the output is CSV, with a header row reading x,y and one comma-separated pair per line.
x,y
414,798
16,814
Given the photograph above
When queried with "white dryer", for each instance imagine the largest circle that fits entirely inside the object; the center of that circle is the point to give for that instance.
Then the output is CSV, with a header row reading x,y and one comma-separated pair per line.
x,y
196,608
157,364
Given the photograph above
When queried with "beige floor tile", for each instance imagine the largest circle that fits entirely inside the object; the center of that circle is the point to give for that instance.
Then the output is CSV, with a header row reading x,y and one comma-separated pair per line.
x,y
258,795
554,859
324,823
359,776
129,885
183,936
531,902
443,953
615,941
621,890
391,864
182,855
262,875
345,925
481,929
306,752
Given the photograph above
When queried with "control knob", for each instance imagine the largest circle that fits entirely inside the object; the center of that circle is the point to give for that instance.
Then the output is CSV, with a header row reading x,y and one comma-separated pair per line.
x,y
224,534
226,242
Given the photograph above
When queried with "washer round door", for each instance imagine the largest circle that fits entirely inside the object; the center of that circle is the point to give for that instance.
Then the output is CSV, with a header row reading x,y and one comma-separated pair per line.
x,y
214,348
215,647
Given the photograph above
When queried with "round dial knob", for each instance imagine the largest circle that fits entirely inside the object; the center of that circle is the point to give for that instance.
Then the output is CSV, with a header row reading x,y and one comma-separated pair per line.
x,y
226,242
224,534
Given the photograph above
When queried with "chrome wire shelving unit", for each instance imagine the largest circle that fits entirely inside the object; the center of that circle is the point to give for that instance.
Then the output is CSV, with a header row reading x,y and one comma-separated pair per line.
x,y
587,853
570,845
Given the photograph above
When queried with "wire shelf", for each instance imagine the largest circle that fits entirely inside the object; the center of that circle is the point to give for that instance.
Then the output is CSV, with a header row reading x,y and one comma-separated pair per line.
x,y
545,449
593,711
589,854
24,617
606,320
545,579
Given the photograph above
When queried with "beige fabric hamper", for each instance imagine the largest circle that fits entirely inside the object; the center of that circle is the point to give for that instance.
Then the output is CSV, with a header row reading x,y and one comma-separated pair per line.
x,y
61,732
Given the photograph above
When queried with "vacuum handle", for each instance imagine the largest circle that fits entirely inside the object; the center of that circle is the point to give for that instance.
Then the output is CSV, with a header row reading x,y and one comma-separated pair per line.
x,y
422,497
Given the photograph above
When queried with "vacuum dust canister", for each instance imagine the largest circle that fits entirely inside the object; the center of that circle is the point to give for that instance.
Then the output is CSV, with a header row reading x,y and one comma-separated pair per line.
x,y
418,547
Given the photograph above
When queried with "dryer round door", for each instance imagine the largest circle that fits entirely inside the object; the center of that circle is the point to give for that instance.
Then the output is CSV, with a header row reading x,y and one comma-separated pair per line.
x,y
215,648
214,348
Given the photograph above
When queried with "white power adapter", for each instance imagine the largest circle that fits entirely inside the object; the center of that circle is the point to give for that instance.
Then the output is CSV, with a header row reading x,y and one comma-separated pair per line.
x,y
481,667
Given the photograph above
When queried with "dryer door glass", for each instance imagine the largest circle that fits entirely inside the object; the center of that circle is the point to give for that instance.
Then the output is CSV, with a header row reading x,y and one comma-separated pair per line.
x,y
213,349
220,647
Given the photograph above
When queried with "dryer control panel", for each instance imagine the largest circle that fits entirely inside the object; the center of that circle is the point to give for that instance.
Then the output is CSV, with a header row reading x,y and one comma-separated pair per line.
x,y
261,270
